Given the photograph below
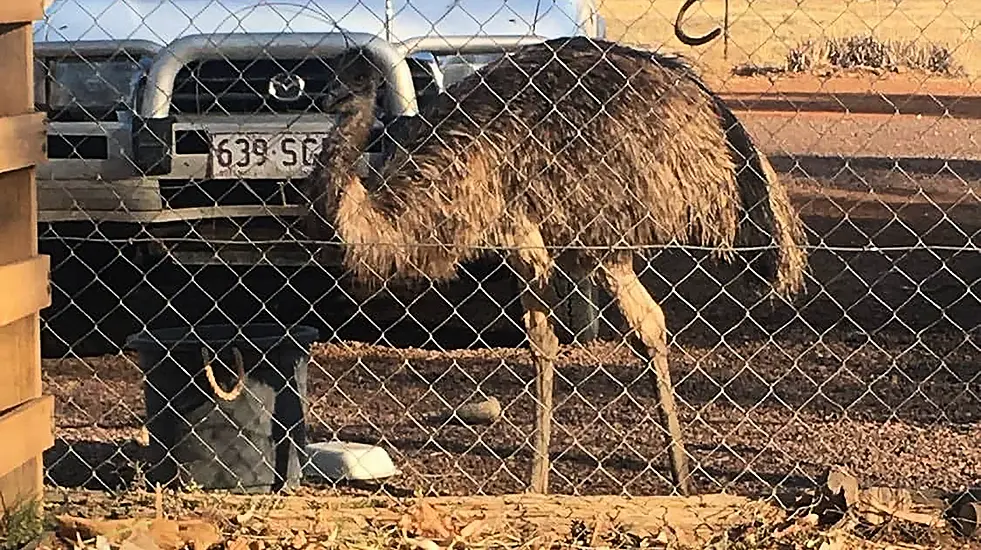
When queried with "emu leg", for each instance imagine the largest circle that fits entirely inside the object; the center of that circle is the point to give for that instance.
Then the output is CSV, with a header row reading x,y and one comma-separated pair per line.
x,y
533,265
544,348
646,319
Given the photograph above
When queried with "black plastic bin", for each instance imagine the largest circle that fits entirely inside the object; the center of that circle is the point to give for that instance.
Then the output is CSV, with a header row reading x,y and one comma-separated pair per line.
x,y
248,439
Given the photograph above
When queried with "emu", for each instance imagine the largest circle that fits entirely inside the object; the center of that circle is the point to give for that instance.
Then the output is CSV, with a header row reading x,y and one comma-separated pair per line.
x,y
572,153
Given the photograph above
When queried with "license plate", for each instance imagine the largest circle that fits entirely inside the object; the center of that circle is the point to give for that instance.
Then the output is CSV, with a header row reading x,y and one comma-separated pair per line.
x,y
264,156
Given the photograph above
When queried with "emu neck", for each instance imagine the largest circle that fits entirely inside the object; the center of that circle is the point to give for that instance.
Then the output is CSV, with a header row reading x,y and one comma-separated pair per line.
x,y
371,239
345,147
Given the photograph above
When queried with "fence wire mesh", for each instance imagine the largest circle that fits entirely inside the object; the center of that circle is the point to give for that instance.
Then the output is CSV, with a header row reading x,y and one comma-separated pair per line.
x,y
180,133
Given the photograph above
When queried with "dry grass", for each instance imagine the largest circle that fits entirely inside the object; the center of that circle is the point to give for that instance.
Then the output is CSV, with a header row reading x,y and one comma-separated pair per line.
x,y
513,521
763,32
171,520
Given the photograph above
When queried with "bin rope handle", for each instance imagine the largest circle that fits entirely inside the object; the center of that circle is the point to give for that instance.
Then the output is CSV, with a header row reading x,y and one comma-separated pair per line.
x,y
210,375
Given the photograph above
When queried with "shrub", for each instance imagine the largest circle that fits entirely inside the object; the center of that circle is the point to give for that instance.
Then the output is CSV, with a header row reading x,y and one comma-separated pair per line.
x,y
867,51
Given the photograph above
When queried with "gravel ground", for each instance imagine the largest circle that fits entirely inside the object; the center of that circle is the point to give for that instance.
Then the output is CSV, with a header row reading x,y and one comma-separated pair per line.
x,y
757,414
875,367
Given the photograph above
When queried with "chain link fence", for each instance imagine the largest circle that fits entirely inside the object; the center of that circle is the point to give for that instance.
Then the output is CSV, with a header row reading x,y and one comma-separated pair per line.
x,y
180,132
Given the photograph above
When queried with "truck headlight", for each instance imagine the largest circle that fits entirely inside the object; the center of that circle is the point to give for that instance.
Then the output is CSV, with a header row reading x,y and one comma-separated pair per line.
x,y
80,83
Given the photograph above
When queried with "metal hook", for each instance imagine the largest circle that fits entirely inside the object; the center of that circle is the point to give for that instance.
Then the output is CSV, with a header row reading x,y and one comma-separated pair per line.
x,y
691,40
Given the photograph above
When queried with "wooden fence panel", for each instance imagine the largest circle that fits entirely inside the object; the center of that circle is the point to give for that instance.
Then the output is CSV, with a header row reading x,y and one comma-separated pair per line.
x,y
26,417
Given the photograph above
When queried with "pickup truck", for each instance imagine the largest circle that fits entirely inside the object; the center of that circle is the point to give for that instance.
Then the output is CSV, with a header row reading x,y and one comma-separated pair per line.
x,y
177,129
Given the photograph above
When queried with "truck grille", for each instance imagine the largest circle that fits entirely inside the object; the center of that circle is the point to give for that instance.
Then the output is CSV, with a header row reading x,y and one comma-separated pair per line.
x,y
226,86
242,86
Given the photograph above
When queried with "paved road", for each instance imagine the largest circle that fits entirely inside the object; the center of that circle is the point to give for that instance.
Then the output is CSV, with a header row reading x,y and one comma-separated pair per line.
x,y
862,135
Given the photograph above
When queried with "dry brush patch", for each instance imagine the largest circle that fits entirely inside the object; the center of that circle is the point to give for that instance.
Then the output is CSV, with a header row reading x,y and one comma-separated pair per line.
x,y
862,52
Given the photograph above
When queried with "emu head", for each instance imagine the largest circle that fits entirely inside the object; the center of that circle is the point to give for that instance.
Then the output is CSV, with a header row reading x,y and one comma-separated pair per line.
x,y
354,76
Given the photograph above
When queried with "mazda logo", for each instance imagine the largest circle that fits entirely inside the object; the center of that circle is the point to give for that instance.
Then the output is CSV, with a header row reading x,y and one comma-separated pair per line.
x,y
286,87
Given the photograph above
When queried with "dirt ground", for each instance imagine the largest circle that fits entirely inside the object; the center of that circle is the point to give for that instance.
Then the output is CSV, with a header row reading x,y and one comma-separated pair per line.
x,y
846,82
874,367
763,32
864,136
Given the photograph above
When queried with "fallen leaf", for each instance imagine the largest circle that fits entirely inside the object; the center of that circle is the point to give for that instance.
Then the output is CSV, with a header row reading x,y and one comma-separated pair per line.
x,y
299,541
544,541
238,543
242,519
323,521
360,521
71,527
423,544
201,535
165,534
143,437
472,528
139,541
424,520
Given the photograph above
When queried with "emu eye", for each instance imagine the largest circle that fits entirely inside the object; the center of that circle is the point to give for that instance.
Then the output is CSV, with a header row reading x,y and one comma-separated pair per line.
x,y
334,95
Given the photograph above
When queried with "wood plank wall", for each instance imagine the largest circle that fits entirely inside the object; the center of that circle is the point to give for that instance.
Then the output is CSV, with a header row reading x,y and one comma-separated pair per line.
x,y
26,416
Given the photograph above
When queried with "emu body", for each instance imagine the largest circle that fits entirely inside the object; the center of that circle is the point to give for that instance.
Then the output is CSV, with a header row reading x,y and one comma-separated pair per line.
x,y
573,152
